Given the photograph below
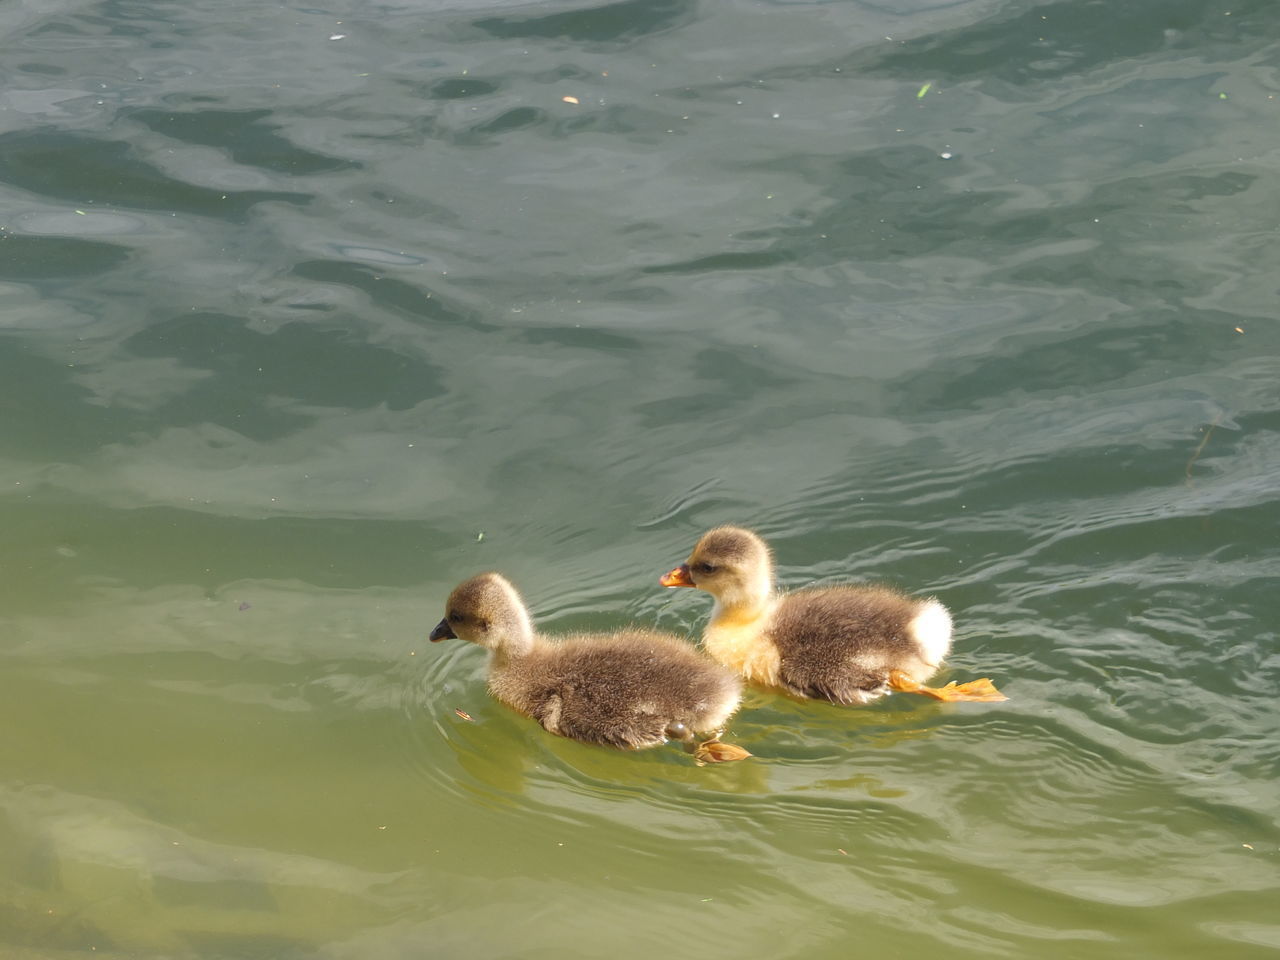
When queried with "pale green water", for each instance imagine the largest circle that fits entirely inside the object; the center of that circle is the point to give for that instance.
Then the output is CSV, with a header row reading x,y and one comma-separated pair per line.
x,y
287,322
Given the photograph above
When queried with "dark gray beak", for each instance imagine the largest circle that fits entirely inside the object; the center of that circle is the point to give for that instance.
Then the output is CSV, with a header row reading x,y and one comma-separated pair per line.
x,y
442,632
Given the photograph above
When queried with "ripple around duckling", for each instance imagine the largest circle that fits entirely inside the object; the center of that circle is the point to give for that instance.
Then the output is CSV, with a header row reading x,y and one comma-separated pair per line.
x,y
443,679
788,782
503,761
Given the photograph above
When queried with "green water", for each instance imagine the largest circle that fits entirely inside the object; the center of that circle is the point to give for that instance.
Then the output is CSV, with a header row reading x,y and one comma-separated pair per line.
x,y
307,314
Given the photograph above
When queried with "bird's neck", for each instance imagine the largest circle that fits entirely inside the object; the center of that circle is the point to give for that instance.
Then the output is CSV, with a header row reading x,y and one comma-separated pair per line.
x,y
739,614
737,638
516,643
744,606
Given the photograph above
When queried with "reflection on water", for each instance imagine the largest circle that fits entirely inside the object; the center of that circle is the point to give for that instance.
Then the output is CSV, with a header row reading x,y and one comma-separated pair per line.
x,y
306,315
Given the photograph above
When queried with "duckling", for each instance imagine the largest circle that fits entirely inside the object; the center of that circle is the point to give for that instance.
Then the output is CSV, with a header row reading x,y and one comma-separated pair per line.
x,y
631,689
846,644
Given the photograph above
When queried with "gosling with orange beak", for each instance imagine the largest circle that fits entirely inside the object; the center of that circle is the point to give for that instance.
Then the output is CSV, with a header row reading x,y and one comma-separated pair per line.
x,y
846,644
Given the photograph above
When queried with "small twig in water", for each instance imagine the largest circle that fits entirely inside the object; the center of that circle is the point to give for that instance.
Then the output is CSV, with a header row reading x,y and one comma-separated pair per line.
x,y
1196,456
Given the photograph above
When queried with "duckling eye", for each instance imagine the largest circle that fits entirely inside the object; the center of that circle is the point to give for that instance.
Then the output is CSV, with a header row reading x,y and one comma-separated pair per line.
x,y
453,616
704,568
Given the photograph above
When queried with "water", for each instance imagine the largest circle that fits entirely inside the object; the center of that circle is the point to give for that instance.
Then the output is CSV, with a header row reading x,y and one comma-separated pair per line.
x,y
306,314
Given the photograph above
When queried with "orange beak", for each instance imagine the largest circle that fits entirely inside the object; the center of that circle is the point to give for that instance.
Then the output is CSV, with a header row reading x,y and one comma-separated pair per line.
x,y
679,577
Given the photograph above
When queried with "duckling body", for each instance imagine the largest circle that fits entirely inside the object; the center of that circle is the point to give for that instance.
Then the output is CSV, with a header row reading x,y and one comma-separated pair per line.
x,y
846,644
630,689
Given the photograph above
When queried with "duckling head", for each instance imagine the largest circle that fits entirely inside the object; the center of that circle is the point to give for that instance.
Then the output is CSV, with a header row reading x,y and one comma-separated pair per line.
x,y
733,565
486,610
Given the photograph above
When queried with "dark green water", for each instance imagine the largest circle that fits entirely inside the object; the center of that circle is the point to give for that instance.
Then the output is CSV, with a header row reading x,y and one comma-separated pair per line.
x,y
306,314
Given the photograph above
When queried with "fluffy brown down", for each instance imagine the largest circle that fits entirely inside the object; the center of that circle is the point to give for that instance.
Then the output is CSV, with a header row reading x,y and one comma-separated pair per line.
x,y
835,641
624,689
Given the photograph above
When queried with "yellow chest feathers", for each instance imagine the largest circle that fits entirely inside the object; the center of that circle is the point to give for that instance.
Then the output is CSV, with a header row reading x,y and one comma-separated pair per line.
x,y
741,646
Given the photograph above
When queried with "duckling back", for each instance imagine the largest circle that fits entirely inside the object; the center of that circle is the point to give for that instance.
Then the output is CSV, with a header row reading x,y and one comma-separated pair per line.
x,y
629,689
842,643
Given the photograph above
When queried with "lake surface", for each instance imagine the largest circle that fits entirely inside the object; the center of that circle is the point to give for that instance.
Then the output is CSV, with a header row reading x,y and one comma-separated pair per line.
x,y
308,313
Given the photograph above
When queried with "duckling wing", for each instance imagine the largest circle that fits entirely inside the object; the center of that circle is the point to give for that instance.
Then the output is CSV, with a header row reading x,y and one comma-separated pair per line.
x,y
841,643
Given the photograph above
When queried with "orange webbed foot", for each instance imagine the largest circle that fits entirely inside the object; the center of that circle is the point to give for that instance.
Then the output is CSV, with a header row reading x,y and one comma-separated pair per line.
x,y
713,751
975,691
